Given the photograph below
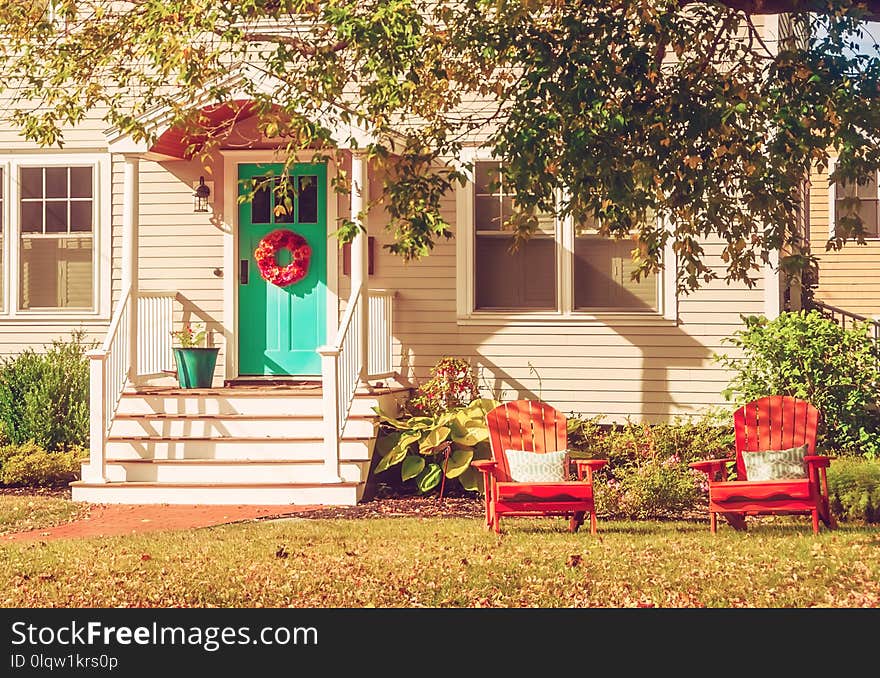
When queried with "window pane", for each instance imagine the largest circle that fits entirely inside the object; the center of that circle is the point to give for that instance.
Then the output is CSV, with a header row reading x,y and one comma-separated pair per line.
x,y
523,280
602,269
308,200
81,182
81,215
485,176
32,217
56,182
31,182
868,213
56,216
487,213
56,273
261,206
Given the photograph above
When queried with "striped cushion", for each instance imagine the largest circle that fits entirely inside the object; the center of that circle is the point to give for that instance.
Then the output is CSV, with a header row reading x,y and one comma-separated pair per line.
x,y
776,464
537,467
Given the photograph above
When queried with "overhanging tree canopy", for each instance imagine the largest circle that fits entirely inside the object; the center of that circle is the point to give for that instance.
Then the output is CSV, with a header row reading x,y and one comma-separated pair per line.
x,y
668,119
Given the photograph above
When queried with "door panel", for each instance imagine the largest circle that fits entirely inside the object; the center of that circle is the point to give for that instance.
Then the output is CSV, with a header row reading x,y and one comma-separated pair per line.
x,y
280,328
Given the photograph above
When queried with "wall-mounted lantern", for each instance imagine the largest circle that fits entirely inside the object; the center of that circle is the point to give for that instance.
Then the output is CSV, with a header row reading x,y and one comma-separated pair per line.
x,y
201,196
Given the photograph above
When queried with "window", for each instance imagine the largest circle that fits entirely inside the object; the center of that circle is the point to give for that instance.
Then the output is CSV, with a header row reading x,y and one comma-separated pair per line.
x,y
850,200
505,280
51,216
56,221
560,271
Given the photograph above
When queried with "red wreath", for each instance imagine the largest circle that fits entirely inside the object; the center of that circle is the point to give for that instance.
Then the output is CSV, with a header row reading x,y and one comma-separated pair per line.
x,y
296,270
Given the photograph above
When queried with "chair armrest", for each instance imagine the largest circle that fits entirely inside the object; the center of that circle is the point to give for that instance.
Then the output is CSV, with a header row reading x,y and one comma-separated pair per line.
x,y
711,465
485,465
818,460
587,466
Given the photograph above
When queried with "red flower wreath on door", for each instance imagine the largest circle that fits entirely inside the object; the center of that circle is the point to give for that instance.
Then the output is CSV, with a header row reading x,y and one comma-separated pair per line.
x,y
267,250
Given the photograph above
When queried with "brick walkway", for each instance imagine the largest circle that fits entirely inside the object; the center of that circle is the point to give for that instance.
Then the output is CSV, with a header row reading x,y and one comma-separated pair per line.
x,y
106,520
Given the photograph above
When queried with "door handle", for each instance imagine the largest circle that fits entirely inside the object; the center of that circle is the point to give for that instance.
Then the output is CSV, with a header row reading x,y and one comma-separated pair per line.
x,y
243,270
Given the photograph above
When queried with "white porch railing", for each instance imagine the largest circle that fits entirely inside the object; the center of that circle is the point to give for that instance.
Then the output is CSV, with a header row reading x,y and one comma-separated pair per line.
x,y
342,364
110,365
155,316
108,372
379,361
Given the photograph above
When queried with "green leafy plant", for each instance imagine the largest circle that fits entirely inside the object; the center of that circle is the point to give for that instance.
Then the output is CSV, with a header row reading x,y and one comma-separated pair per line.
x,y
31,465
808,356
854,489
451,386
44,397
191,335
651,488
429,448
647,474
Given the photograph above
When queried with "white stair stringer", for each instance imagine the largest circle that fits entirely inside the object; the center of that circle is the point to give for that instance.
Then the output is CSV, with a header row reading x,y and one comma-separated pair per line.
x,y
234,446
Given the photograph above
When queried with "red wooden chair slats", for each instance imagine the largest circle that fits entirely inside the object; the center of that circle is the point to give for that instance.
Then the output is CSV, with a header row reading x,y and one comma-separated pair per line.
x,y
533,427
770,423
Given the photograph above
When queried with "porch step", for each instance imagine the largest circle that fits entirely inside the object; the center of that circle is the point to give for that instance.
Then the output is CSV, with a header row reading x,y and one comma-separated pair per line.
x,y
242,444
230,471
299,493
234,425
226,448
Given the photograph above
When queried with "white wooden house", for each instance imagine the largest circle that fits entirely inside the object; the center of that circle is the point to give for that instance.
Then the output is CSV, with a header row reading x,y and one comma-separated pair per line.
x,y
105,235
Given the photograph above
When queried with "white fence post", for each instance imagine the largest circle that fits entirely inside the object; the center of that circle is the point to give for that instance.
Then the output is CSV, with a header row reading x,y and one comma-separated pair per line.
x,y
95,472
329,394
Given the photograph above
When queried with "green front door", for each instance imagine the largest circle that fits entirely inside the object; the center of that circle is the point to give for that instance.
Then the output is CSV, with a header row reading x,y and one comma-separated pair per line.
x,y
279,327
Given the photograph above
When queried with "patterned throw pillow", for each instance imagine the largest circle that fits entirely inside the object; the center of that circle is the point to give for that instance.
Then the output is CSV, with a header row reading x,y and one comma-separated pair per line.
x,y
537,467
776,464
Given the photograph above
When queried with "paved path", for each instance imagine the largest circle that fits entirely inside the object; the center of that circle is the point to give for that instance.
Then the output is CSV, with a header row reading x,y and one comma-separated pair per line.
x,y
105,520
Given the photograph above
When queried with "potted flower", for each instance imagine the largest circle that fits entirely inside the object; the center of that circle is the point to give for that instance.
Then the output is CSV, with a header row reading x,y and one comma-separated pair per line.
x,y
195,363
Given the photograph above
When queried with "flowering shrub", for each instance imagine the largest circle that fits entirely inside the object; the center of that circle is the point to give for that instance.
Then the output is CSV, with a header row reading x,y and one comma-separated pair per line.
x,y
451,385
648,473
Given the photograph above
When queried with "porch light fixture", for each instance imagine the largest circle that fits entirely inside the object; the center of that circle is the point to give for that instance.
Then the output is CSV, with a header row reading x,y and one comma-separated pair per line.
x,y
200,196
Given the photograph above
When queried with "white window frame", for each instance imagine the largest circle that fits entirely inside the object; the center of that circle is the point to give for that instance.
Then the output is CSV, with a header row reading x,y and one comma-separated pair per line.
x,y
832,203
467,314
102,232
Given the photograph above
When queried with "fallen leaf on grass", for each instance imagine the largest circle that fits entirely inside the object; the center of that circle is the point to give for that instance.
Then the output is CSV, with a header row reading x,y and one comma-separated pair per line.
x,y
573,560
281,552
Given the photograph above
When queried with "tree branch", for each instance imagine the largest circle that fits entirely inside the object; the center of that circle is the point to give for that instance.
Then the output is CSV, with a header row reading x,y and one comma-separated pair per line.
x,y
871,7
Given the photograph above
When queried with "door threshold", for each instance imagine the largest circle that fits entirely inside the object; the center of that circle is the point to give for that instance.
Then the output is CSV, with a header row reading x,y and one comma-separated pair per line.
x,y
270,380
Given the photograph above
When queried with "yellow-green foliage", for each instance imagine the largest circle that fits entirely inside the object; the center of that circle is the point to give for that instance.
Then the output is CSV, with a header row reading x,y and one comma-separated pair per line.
x,y
30,465
854,488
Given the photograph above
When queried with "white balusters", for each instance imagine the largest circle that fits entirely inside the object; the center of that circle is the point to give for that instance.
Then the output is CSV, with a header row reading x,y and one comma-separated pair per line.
x,y
155,315
379,347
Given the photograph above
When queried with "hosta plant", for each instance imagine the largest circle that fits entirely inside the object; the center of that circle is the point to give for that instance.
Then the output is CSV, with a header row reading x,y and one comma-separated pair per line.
x,y
429,448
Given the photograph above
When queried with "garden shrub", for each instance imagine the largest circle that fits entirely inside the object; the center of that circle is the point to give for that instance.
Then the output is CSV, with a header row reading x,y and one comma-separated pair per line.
x,y
441,430
647,474
854,489
30,465
451,386
44,397
650,489
811,357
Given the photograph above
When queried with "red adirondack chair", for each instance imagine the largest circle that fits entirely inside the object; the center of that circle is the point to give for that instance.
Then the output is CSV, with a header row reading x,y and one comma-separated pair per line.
x,y
534,426
770,423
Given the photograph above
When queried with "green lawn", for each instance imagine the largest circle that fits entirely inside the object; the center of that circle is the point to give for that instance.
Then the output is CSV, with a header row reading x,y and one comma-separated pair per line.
x,y
20,513
451,562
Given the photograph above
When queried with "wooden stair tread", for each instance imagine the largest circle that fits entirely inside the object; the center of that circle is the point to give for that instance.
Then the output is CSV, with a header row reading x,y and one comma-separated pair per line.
x,y
232,415
150,483
260,391
228,439
224,462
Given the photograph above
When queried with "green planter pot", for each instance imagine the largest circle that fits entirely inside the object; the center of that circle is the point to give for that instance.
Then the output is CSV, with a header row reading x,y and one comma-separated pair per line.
x,y
195,366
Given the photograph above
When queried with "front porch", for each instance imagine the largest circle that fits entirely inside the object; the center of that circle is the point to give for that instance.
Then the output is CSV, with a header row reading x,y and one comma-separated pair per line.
x,y
308,439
